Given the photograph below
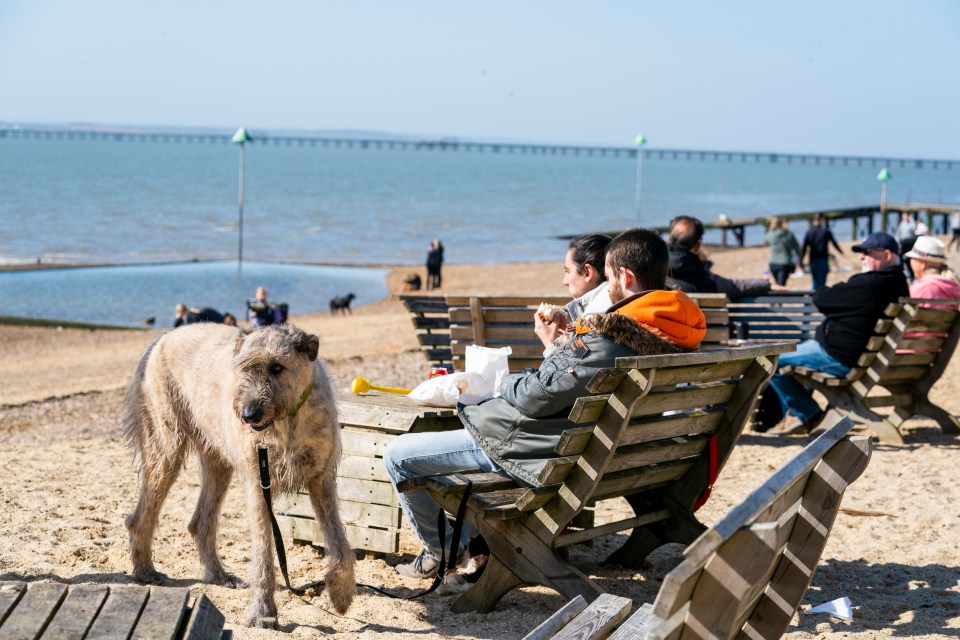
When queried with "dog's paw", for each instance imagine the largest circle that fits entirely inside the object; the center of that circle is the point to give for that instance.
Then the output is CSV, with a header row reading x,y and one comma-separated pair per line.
x,y
225,579
258,622
153,577
261,616
341,589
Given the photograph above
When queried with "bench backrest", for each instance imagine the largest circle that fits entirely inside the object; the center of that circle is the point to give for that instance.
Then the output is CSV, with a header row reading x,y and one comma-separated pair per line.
x,y
659,424
432,325
912,346
775,316
446,326
746,576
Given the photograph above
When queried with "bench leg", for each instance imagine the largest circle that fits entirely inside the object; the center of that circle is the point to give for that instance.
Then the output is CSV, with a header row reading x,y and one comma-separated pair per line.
x,y
948,423
683,527
852,406
497,581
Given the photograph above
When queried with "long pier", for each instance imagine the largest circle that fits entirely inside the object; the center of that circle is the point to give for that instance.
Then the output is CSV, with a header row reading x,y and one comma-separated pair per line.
x,y
866,218
455,145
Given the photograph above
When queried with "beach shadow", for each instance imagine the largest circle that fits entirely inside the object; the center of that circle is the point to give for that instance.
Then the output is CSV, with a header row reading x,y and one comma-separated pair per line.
x,y
898,599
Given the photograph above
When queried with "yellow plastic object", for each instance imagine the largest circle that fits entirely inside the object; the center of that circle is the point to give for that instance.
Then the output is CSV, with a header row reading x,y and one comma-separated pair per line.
x,y
362,385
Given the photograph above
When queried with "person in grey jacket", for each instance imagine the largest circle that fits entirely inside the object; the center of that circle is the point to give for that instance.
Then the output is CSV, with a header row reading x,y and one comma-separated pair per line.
x,y
784,250
516,433
690,274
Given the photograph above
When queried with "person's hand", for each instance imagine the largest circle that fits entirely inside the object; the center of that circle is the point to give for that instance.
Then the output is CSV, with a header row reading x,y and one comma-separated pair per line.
x,y
548,332
778,287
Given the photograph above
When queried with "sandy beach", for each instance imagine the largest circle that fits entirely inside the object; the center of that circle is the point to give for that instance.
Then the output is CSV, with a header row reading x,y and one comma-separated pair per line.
x,y
71,481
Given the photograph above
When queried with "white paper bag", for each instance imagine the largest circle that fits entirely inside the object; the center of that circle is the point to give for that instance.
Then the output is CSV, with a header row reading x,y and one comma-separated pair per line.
x,y
446,391
489,363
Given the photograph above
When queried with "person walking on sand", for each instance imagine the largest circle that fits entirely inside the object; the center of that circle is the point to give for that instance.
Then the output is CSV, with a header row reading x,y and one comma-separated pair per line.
x,y
954,230
817,241
434,263
784,250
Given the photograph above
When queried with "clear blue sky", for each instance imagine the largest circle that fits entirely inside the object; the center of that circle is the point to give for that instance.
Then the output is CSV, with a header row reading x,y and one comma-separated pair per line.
x,y
838,77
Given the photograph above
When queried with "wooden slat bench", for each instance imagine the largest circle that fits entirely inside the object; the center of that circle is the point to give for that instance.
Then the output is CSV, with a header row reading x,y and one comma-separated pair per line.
x,y
897,369
657,432
745,576
446,326
368,504
85,612
790,315
432,325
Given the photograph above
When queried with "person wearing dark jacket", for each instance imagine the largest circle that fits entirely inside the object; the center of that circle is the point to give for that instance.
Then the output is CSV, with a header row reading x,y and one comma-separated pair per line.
x,y
851,310
516,433
690,274
817,241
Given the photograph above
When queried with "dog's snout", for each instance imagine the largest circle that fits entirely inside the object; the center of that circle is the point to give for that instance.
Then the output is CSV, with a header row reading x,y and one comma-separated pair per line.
x,y
252,414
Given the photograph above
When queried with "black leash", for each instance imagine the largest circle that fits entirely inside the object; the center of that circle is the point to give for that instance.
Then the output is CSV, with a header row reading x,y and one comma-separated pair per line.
x,y
447,564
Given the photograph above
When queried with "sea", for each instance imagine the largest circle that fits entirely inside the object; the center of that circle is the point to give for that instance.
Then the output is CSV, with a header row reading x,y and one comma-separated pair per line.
x,y
164,209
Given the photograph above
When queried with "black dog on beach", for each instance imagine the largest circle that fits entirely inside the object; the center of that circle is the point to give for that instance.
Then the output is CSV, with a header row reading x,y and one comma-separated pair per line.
x,y
341,304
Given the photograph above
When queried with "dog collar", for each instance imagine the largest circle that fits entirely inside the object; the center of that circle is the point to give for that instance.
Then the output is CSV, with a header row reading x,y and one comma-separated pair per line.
x,y
303,399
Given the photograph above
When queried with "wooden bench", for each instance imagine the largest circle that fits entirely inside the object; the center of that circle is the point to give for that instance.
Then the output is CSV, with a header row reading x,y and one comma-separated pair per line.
x,y
790,315
746,575
52,610
368,504
432,325
446,326
897,369
657,432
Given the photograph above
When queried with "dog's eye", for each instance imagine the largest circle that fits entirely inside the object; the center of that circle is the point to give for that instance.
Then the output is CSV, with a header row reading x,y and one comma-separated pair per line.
x,y
276,368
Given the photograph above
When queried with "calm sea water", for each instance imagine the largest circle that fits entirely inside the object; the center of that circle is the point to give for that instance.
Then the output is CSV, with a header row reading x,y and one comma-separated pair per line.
x,y
128,203
124,295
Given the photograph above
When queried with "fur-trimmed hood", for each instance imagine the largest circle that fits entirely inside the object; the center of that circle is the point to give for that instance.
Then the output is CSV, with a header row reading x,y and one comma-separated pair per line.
x,y
637,321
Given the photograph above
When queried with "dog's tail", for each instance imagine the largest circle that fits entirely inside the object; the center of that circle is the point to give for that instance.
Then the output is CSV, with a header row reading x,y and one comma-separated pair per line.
x,y
133,423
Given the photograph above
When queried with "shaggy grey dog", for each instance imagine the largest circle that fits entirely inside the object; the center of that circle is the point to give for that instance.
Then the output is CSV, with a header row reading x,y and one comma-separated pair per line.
x,y
220,391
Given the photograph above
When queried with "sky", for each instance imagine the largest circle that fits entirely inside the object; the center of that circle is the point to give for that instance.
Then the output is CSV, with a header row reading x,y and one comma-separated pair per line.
x,y
843,77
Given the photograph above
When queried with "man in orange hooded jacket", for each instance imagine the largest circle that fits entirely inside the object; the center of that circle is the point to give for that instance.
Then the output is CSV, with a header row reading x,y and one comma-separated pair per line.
x,y
517,432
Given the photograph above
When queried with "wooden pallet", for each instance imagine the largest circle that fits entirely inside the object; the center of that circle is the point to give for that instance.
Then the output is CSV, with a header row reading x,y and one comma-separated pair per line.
x,y
88,612
368,504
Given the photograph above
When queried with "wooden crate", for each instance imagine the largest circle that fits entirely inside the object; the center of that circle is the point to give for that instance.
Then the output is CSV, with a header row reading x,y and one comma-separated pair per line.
x,y
368,503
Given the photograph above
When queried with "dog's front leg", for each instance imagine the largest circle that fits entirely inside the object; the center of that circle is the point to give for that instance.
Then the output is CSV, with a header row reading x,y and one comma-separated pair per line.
x,y
339,580
262,611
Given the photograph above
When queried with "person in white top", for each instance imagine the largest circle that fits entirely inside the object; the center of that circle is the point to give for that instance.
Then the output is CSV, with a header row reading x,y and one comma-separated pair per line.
x,y
584,278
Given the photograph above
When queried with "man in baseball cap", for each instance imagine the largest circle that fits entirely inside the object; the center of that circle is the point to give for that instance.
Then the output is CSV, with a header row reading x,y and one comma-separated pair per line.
x,y
851,310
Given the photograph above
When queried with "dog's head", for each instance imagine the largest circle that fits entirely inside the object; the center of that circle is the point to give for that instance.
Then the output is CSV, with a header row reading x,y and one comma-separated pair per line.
x,y
273,373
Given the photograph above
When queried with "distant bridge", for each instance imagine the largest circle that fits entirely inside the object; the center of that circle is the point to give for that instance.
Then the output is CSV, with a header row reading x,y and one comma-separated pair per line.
x,y
448,145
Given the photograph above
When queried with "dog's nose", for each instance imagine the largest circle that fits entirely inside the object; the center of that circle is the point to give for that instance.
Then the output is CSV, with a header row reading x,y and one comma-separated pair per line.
x,y
252,414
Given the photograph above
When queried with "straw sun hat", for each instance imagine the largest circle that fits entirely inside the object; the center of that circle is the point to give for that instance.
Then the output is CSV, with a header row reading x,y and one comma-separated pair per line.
x,y
928,249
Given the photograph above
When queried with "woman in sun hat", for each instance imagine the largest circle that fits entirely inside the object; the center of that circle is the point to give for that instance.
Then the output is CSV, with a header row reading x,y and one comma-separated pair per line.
x,y
934,279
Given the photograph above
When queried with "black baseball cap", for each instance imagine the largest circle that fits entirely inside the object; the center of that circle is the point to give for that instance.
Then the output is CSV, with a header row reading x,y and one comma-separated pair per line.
x,y
878,240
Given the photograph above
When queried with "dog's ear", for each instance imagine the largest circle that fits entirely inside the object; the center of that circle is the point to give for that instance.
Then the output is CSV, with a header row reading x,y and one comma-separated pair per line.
x,y
241,336
308,344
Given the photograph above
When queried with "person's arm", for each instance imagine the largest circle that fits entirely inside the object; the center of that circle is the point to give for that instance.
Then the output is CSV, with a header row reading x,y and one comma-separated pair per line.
x,y
741,287
548,332
833,241
556,385
803,250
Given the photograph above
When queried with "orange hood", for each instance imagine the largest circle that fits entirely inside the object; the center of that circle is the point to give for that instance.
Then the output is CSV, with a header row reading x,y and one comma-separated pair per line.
x,y
670,315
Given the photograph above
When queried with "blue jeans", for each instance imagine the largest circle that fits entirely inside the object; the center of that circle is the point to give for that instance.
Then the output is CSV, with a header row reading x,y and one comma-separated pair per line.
x,y
819,268
794,397
430,453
